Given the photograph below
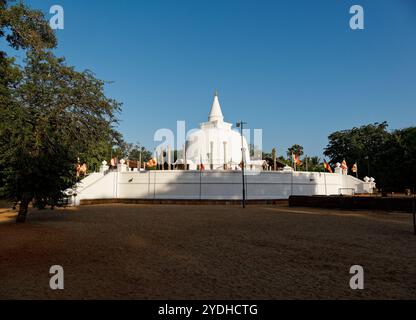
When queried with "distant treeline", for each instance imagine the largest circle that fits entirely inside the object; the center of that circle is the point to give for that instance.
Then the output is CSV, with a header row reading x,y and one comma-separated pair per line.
x,y
388,156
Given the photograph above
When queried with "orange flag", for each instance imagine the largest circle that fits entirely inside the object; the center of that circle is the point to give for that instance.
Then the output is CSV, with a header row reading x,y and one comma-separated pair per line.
x,y
327,166
152,163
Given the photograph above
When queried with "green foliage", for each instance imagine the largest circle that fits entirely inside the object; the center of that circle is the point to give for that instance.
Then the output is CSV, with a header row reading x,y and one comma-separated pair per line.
x,y
283,160
50,114
390,157
58,115
24,27
357,143
138,152
268,156
394,166
313,164
295,149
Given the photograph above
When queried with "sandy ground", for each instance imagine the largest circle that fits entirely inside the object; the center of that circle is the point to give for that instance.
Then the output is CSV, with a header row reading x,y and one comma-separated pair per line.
x,y
207,252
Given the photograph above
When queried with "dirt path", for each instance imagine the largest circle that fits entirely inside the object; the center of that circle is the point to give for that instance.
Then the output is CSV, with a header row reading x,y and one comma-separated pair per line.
x,y
207,252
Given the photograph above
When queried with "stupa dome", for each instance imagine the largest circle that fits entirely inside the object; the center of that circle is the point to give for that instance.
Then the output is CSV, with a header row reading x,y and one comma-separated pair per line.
x,y
215,143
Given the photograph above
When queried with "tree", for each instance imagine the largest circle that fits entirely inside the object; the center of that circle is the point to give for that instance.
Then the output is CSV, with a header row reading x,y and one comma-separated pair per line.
x,y
358,145
139,152
390,157
59,114
296,149
50,114
280,160
395,164
312,164
24,27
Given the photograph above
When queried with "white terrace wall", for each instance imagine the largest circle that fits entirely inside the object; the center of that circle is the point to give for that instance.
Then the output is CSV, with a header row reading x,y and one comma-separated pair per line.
x,y
214,185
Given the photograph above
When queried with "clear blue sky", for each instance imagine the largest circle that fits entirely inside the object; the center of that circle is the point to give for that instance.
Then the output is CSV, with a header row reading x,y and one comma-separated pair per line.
x,y
293,68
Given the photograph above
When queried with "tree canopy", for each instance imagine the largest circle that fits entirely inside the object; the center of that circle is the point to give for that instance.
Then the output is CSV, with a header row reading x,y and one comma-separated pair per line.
x,y
50,114
296,149
390,157
137,152
24,27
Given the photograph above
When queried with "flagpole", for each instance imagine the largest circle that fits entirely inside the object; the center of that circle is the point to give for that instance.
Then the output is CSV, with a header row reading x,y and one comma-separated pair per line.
x,y
200,178
184,157
293,162
291,183
356,169
240,125
413,210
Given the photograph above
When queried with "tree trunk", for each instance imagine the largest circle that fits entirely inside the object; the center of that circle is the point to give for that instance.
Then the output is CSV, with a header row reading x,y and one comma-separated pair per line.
x,y
24,205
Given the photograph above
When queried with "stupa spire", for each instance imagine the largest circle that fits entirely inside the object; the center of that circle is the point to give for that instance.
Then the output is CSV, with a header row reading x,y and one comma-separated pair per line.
x,y
215,114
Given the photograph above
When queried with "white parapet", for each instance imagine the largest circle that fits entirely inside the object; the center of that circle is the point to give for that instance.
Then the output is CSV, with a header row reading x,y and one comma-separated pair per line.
x,y
194,184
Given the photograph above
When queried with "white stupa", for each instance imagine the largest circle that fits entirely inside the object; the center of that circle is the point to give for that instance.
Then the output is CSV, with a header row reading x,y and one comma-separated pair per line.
x,y
216,144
